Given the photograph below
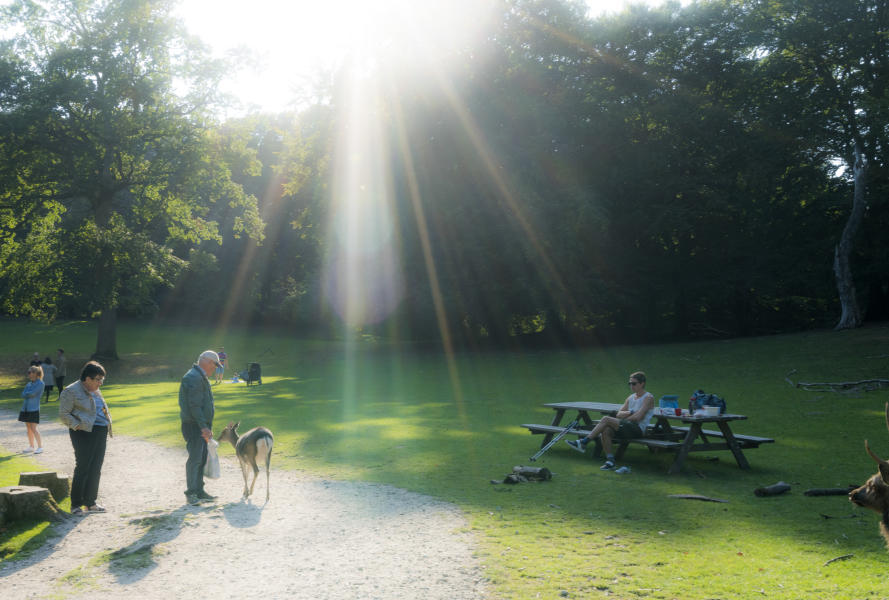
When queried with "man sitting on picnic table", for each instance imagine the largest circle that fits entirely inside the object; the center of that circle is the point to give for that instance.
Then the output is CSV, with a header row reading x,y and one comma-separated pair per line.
x,y
630,422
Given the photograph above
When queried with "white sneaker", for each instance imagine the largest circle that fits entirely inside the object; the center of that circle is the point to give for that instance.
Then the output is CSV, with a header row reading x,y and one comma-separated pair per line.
x,y
27,450
38,451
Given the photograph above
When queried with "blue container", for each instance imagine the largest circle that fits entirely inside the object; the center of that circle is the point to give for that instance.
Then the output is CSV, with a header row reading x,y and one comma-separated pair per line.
x,y
669,401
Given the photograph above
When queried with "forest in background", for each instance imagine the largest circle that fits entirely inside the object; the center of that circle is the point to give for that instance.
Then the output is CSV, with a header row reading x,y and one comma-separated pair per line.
x,y
662,173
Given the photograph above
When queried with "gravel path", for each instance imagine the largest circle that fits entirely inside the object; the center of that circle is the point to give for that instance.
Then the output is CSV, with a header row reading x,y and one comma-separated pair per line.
x,y
315,539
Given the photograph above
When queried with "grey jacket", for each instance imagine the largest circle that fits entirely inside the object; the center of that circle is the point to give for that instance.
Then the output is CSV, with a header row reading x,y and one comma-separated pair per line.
x,y
196,399
77,407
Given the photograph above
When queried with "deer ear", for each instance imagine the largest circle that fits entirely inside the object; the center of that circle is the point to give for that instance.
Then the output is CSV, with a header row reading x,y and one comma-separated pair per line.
x,y
235,426
884,472
230,424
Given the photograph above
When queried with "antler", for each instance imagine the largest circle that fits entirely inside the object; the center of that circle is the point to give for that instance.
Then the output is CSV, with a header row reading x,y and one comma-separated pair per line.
x,y
876,458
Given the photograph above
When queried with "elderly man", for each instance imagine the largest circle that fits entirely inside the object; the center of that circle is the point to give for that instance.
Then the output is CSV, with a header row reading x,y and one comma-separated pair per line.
x,y
196,412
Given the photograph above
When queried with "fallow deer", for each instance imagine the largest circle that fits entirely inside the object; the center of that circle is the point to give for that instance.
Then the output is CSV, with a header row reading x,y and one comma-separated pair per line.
x,y
255,445
874,494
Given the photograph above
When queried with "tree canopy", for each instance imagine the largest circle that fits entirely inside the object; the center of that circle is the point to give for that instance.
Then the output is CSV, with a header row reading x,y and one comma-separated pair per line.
x,y
658,173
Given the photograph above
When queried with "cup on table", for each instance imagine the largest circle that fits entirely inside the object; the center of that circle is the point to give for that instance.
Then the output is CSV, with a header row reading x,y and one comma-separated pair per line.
x,y
678,411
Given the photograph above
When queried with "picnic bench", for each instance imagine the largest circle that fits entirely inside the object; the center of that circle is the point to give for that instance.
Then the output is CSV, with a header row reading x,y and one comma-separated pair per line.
x,y
662,434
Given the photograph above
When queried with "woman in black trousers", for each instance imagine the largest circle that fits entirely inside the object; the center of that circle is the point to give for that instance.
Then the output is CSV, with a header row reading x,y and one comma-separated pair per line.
x,y
82,408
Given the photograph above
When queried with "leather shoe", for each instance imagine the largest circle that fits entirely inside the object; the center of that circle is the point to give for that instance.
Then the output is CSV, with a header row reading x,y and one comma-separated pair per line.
x,y
202,495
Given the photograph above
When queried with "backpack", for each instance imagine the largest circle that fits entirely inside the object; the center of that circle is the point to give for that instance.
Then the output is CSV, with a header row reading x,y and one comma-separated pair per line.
x,y
700,399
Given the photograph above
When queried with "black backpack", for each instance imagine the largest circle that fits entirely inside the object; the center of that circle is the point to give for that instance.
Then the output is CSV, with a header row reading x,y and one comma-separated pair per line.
x,y
700,399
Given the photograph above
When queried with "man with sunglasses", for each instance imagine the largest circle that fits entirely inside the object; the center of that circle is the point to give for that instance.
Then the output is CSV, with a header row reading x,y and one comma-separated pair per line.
x,y
630,421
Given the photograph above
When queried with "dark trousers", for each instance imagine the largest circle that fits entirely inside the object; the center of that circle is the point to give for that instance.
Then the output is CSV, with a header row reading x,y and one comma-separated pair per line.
x,y
60,381
89,454
197,458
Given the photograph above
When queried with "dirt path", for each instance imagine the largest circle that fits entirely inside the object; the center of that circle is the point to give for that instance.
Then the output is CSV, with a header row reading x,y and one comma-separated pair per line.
x,y
315,539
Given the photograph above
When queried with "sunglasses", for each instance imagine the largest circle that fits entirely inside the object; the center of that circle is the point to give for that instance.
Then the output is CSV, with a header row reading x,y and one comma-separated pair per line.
x,y
634,383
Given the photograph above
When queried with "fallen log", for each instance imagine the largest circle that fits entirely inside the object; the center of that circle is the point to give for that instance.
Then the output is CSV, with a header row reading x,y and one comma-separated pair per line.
x,y
58,485
772,490
843,557
829,491
28,502
696,497
522,474
866,385
535,473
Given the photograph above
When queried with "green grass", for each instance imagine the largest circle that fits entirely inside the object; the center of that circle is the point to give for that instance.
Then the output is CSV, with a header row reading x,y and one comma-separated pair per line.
x,y
446,426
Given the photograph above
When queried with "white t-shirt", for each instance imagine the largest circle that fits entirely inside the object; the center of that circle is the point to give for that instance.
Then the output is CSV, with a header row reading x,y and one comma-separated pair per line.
x,y
634,403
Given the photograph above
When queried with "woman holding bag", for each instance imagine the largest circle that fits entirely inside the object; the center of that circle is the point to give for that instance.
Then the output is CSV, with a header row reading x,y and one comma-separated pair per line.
x,y
82,408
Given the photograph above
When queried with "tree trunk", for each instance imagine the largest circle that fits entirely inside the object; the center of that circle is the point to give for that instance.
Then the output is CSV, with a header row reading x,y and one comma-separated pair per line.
x,y
850,317
28,502
106,337
58,485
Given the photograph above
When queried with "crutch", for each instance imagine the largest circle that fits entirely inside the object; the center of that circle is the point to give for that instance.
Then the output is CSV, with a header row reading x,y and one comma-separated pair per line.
x,y
555,439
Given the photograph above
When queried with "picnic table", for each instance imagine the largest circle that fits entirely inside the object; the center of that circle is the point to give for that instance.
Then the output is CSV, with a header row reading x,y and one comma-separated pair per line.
x,y
682,434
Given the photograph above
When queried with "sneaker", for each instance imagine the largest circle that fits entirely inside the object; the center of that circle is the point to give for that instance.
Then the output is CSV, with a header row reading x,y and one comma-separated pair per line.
x,y
97,508
27,450
202,495
38,451
577,445
77,511
192,499
623,470
607,466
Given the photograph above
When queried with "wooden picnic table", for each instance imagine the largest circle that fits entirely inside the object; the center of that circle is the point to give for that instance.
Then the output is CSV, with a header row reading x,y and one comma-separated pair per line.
x,y
662,434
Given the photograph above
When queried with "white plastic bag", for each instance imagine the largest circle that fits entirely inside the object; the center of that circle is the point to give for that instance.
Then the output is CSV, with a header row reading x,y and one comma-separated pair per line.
x,y
211,469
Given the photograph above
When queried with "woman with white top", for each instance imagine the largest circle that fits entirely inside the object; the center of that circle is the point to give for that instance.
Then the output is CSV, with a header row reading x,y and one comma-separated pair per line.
x,y
630,421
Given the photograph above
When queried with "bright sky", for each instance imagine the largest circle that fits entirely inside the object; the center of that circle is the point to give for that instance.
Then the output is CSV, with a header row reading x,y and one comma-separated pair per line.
x,y
293,39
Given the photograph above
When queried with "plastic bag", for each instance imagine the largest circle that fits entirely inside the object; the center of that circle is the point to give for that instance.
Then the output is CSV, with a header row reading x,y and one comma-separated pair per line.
x,y
211,468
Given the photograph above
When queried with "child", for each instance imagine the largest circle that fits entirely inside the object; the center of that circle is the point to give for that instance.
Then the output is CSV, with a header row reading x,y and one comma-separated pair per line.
x,y
30,413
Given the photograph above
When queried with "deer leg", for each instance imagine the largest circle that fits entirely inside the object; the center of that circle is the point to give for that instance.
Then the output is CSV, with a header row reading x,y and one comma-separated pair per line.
x,y
244,473
255,474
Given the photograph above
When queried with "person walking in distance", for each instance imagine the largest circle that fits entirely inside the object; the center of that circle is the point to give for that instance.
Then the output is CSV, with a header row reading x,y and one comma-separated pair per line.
x,y
196,411
223,360
61,371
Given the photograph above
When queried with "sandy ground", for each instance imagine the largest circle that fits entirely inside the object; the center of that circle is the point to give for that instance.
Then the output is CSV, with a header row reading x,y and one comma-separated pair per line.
x,y
315,539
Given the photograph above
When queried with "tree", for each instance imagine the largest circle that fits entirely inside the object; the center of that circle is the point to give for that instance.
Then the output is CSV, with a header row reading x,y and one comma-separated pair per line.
x,y
109,160
831,61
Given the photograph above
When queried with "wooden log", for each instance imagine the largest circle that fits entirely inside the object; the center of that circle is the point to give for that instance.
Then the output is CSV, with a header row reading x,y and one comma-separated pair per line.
x,y
865,385
28,502
696,497
58,485
772,490
829,491
536,473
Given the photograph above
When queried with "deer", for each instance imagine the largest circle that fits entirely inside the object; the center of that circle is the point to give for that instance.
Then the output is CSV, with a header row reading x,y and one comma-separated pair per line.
x,y
874,494
255,445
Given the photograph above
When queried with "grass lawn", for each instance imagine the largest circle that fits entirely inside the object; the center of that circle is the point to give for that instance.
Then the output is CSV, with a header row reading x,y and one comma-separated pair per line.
x,y
447,426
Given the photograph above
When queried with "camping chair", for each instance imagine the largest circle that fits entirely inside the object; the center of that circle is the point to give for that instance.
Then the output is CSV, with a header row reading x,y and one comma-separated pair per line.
x,y
254,373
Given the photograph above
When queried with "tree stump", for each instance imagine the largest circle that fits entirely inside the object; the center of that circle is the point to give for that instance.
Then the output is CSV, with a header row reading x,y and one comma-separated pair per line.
x,y
58,485
28,502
